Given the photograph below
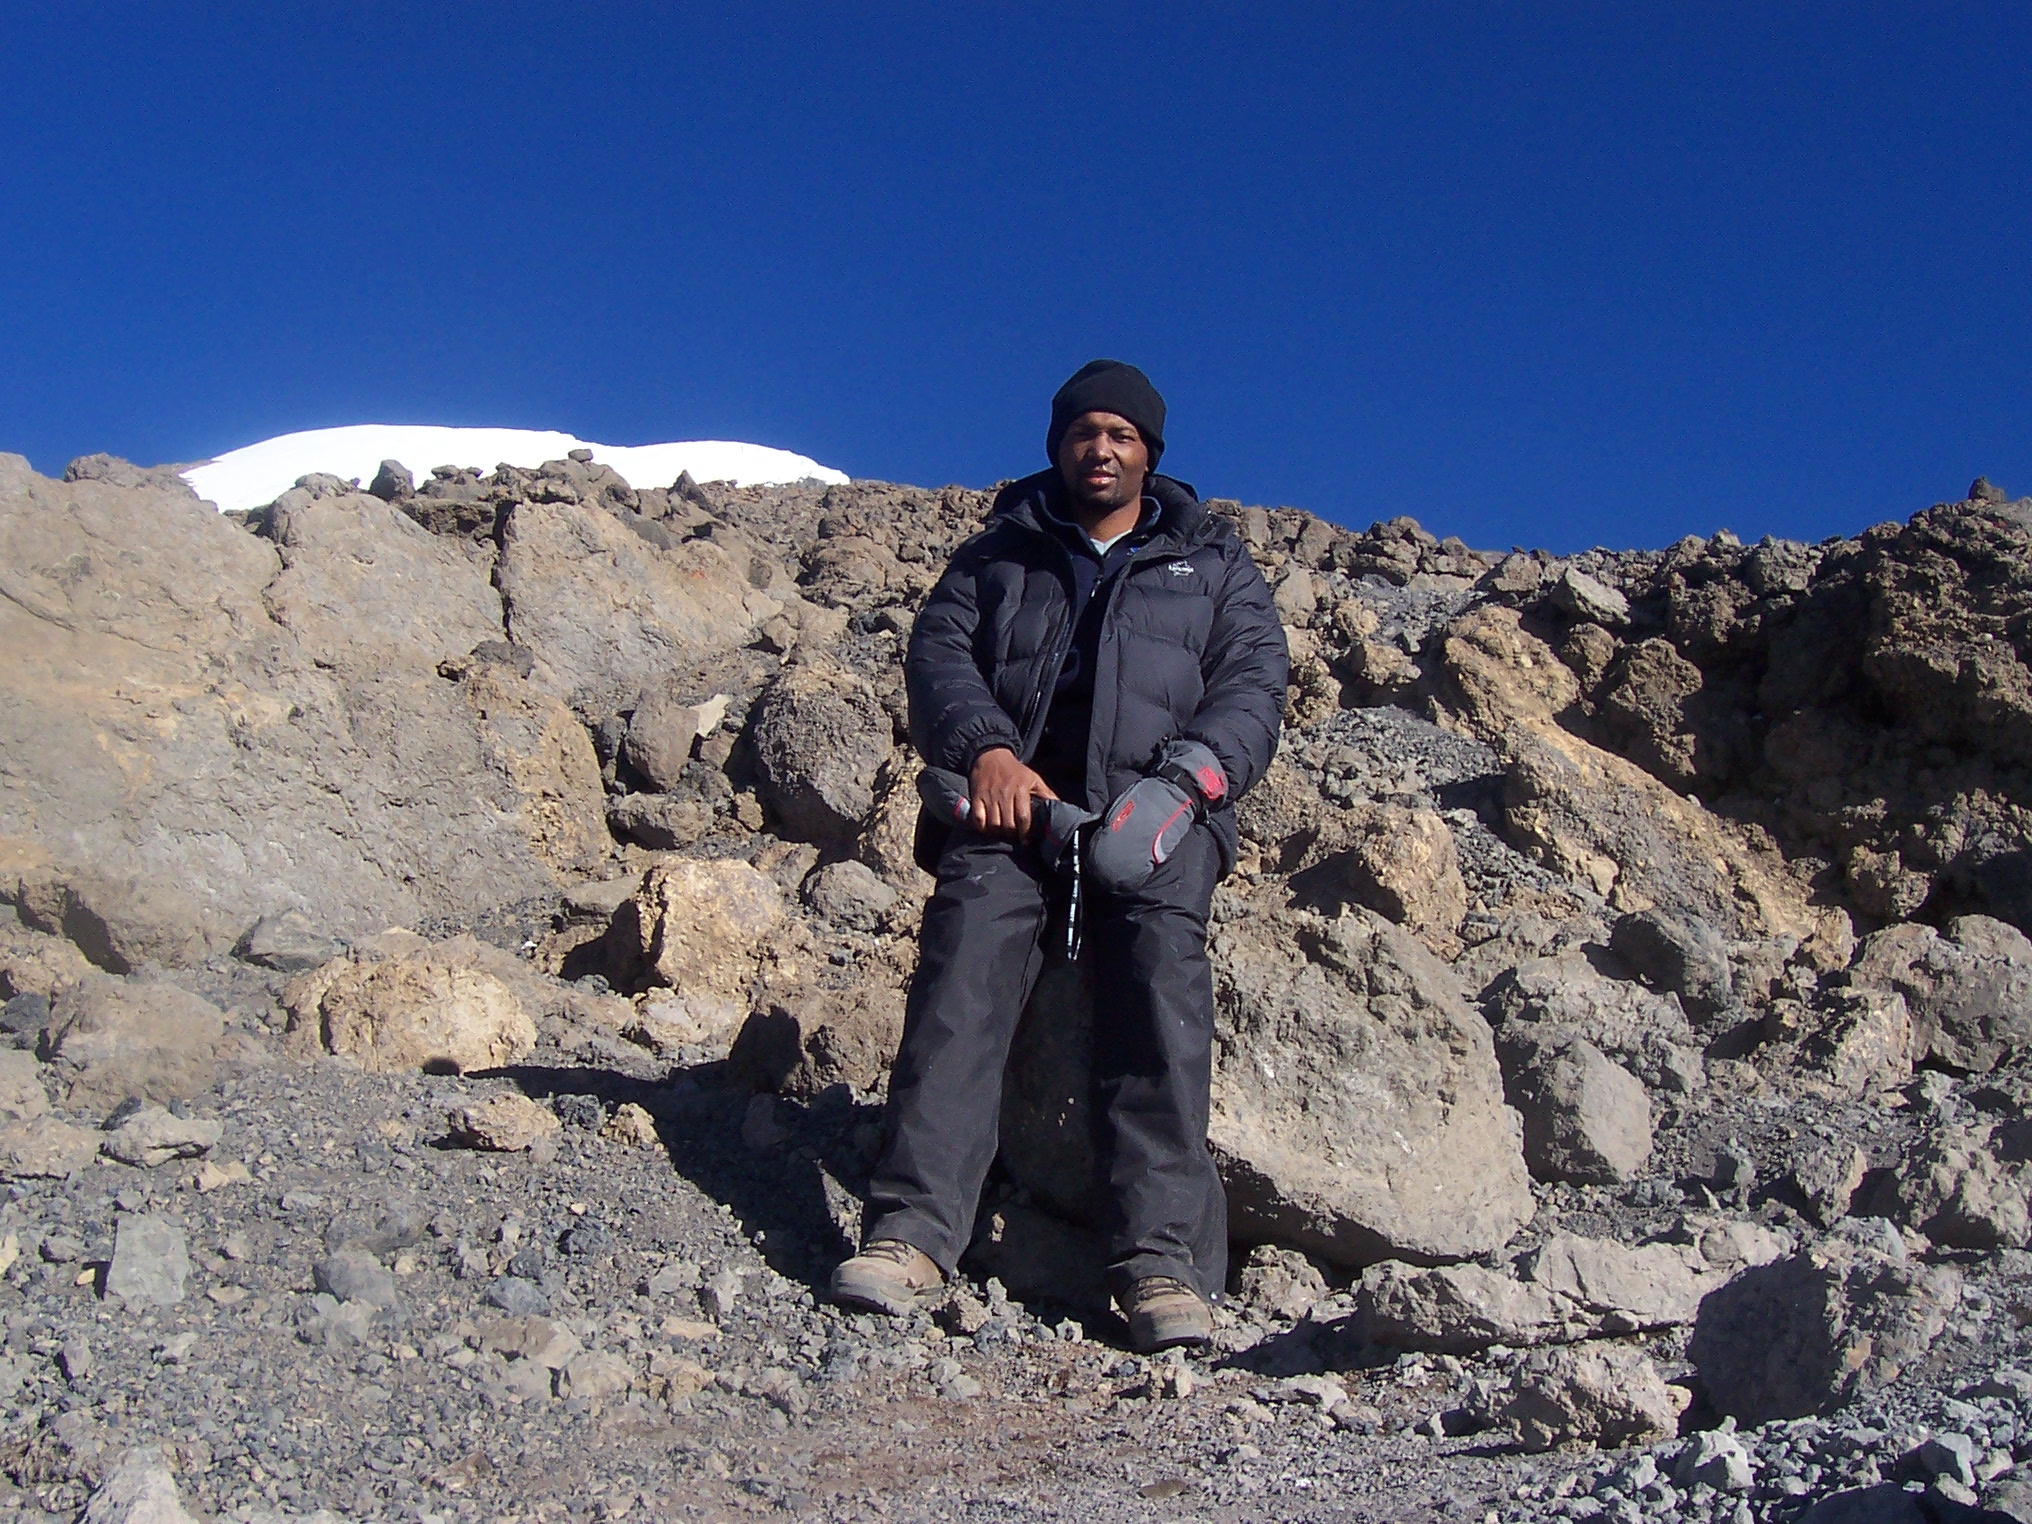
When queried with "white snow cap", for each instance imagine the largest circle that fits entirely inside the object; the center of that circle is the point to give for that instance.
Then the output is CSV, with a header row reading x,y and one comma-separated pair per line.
x,y
258,474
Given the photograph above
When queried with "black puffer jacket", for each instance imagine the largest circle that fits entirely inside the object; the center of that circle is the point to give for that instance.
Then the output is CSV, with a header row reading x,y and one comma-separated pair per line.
x,y
1191,646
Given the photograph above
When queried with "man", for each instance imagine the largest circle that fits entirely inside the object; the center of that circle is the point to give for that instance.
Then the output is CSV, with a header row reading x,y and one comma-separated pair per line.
x,y
1105,640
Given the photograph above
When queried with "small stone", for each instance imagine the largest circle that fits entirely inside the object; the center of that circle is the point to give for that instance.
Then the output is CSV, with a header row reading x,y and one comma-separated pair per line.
x,y
760,1129
151,1137
595,1374
502,1124
720,1293
677,1276
1946,1455
211,1177
75,1361
631,1126
353,1275
517,1296
151,1262
176,1349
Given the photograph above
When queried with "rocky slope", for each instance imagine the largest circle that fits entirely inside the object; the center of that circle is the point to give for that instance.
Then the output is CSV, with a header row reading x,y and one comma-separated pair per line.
x,y
458,932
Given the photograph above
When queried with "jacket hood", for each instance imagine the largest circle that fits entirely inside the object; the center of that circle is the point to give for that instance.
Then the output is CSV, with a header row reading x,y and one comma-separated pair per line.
x,y
1034,500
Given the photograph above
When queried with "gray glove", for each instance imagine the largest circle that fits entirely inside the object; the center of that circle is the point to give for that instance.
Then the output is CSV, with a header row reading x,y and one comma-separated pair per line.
x,y
1145,823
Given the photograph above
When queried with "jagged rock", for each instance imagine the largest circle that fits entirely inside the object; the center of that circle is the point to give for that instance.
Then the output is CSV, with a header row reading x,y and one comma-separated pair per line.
x,y
111,1040
660,735
1584,597
1669,952
660,822
119,922
354,1275
802,1044
1591,815
1281,1282
22,1098
1622,1289
1595,1393
820,737
140,1490
1586,1118
392,481
1969,992
150,1137
508,1124
37,965
1455,1309
606,612
702,926
178,730
1967,1186
286,942
439,1008
596,1373
1544,999
1859,1041
1820,1328
1401,863
1828,1177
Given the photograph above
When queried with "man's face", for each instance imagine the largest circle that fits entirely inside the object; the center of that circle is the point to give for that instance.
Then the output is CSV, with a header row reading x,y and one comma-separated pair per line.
x,y
1104,462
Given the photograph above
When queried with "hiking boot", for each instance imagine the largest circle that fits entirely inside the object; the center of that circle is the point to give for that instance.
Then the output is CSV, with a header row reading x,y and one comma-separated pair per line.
x,y
1164,1313
889,1276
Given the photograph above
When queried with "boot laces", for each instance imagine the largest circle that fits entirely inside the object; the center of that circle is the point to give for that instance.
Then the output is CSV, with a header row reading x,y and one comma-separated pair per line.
x,y
892,1251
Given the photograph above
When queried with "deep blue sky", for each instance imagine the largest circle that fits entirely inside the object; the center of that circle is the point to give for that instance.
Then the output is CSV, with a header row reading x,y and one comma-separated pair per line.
x,y
1549,274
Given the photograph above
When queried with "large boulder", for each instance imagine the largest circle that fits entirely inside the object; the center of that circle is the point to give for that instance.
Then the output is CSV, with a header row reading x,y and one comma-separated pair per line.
x,y
112,1040
1455,1309
703,926
446,1008
1542,998
607,612
1969,992
165,723
1823,1327
1586,1118
1969,1186
1357,1104
118,921
820,737
1402,864
805,1041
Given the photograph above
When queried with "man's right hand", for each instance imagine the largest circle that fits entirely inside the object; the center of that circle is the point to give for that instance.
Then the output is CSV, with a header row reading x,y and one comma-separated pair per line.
x,y
1002,788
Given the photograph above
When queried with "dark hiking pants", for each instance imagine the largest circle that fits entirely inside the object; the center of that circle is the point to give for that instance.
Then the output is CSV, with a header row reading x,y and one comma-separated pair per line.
x,y
1162,1209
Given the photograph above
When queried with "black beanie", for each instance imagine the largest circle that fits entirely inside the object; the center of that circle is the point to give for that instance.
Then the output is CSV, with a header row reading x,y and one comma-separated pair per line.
x,y
1108,386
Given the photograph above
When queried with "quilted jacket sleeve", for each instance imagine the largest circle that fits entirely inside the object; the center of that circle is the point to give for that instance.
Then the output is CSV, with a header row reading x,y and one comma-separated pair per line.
x,y
1246,669
953,714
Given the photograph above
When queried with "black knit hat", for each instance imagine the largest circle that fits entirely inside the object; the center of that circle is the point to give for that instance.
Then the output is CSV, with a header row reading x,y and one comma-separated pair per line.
x,y
1108,386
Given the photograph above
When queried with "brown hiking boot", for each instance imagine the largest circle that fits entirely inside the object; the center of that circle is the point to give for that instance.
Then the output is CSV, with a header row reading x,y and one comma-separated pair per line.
x,y
889,1276
1164,1313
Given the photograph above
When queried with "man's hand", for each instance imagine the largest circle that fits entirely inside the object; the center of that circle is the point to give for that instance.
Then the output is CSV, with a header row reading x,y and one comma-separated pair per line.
x,y
1002,788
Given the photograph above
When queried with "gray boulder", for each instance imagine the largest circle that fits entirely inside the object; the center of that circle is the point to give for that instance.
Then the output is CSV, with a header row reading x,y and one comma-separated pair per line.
x,y
1597,1393
151,1262
660,733
1586,1118
1674,953
1817,1329
820,736
1357,1105
1969,991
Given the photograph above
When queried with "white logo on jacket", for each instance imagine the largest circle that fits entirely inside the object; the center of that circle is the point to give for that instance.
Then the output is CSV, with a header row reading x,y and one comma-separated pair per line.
x,y
1180,568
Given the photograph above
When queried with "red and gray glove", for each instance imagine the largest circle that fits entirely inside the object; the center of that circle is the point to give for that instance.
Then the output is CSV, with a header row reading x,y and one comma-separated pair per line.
x,y
1146,822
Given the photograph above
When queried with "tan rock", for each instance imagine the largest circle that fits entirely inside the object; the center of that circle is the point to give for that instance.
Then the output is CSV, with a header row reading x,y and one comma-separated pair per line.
x,y
151,1137
438,1008
1401,863
805,1041
46,1148
1455,1309
505,1124
596,1373
1595,817
1598,1393
702,926
631,1126
34,962
22,1098
1623,1289
606,612
111,1040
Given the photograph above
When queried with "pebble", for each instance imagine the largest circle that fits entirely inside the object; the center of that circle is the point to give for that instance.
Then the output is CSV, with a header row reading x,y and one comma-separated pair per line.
x,y
151,1262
